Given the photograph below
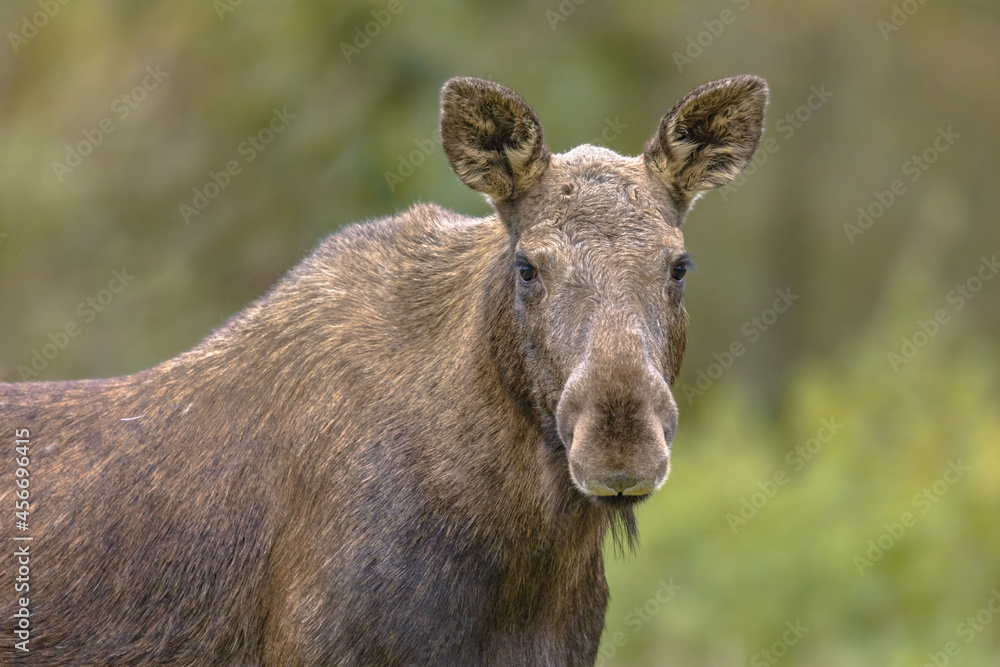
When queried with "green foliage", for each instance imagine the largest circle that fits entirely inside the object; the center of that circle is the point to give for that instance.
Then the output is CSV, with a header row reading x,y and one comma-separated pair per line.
x,y
749,553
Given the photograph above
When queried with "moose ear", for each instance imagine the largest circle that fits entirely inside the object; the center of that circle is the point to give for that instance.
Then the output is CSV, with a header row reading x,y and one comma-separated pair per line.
x,y
493,140
708,137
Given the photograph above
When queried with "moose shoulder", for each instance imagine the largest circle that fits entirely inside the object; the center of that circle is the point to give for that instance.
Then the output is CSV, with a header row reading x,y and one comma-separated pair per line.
x,y
410,450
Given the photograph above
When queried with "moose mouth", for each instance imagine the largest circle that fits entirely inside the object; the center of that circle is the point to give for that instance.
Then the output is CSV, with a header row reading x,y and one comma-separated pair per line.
x,y
617,502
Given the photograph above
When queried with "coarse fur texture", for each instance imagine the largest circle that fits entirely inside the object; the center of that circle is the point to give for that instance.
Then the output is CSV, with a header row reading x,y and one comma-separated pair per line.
x,y
410,450
708,137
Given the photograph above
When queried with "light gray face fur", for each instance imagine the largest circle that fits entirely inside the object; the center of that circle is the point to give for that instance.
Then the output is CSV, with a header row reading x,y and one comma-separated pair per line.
x,y
597,262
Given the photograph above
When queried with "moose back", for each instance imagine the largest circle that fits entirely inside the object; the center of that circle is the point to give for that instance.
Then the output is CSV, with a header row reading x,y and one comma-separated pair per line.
x,y
410,450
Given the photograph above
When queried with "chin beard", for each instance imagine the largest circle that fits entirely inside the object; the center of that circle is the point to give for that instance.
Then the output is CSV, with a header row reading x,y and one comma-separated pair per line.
x,y
622,525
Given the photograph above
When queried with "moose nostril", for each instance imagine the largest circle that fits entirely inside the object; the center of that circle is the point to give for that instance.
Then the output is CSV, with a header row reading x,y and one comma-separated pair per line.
x,y
620,482
663,469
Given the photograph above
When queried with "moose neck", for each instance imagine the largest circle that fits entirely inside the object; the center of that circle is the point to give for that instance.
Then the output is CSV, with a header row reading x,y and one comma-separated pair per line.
x,y
507,471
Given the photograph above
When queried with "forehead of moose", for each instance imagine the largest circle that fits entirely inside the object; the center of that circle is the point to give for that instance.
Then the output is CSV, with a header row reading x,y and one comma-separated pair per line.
x,y
605,201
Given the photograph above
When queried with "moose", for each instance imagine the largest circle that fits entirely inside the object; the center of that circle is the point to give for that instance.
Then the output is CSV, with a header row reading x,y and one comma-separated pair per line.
x,y
411,450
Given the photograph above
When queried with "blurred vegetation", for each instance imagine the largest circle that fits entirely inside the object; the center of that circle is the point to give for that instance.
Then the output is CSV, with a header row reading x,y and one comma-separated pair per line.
x,y
360,112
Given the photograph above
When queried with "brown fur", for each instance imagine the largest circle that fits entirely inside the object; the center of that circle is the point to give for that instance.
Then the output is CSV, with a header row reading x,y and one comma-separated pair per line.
x,y
391,458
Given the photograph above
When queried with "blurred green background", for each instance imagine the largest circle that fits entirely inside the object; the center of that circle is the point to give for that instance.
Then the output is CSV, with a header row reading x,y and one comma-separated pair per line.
x,y
830,503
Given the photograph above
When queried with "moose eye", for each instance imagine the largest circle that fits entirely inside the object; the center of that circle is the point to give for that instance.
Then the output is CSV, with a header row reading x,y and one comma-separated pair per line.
x,y
679,270
526,271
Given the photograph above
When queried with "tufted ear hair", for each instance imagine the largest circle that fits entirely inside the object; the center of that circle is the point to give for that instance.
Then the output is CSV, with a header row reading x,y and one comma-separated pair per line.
x,y
492,139
708,137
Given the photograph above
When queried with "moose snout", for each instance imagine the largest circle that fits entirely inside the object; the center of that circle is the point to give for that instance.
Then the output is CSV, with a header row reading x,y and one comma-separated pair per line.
x,y
617,435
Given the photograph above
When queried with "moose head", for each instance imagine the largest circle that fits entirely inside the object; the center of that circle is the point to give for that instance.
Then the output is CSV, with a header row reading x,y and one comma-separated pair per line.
x,y
597,264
